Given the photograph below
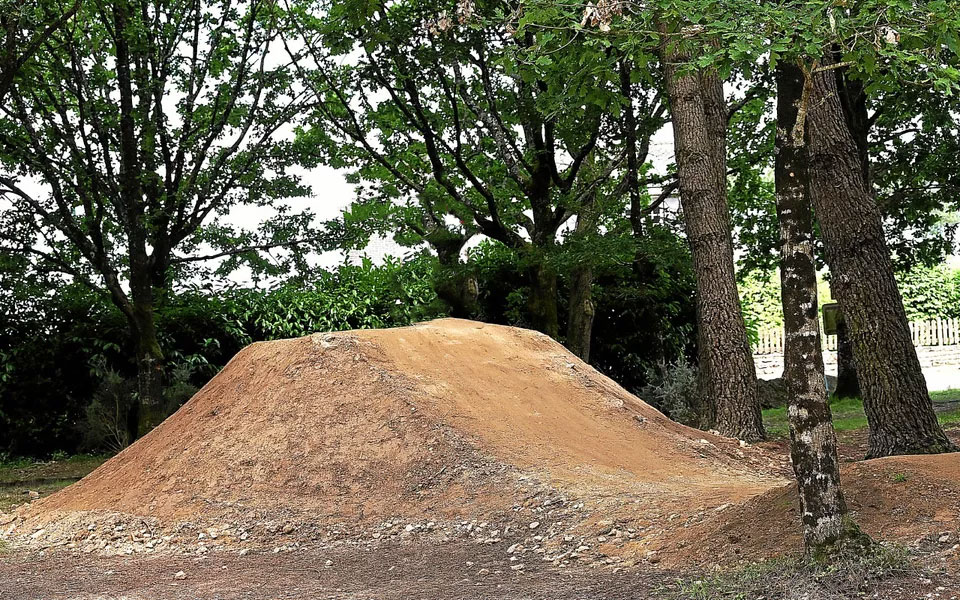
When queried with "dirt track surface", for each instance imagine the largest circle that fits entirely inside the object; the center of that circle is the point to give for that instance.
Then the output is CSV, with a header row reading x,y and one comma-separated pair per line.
x,y
401,572
447,572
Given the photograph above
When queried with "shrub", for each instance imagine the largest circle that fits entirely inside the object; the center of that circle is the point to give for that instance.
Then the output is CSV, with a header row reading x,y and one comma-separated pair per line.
x,y
105,423
672,389
929,293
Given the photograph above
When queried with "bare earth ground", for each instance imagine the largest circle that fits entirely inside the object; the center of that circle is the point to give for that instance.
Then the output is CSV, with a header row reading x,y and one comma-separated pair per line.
x,y
448,460
452,571
410,572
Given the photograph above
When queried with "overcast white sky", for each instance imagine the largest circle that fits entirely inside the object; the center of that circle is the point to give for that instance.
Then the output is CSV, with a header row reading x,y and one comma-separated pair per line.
x,y
332,194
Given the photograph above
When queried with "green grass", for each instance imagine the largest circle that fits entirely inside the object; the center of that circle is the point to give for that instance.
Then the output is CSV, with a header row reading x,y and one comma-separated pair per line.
x,y
848,413
841,578
19,477
946,396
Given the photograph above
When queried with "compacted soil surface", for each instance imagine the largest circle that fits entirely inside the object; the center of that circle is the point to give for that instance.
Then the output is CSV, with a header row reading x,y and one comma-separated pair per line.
x,y
427,571
453,571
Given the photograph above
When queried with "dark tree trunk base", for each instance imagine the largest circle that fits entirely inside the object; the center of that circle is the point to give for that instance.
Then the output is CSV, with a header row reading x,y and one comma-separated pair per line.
x,y
851,544
848,386
580,319
542,303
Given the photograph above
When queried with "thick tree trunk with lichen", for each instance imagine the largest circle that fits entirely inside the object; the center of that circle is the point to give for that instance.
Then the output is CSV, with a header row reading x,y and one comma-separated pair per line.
x,y
895,398
580,312
146,410
452,282
813,447
728,376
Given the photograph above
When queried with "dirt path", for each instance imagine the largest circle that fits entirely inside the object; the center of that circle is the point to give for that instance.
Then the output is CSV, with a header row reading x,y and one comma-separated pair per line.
x,y
412,572
407,572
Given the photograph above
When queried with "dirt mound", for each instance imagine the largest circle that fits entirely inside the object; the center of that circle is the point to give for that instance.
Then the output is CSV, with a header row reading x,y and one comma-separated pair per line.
x,y
910,500
458,429
449,420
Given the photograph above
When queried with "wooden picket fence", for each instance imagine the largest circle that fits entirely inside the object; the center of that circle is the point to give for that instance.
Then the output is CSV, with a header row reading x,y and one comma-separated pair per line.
x,y
934,332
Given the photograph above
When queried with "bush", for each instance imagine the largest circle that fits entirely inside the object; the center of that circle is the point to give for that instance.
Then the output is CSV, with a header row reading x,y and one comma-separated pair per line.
x,y
67,373
66,368
645,311
672,389
929,293
105,421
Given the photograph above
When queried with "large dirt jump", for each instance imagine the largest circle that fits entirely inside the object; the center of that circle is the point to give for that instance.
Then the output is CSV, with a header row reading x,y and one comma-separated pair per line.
x,y
447,428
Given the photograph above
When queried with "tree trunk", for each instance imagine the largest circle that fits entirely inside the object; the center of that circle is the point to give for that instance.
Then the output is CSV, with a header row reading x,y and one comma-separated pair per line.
x,y
459,290
453,283
813,447
147,410
699,126
848,386
853,99
581,309
895,398
542,302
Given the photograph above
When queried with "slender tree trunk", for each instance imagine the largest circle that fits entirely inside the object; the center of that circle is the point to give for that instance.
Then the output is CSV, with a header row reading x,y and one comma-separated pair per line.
x,y
633,162
699,127
813,447
895,398
581,309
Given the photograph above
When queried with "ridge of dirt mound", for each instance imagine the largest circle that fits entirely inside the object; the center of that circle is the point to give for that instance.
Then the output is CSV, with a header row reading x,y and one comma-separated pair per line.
x,y
451,420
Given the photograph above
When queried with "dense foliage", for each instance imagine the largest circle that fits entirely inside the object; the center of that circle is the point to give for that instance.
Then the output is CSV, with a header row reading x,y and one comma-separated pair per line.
x,y
66,346
65,354
928,293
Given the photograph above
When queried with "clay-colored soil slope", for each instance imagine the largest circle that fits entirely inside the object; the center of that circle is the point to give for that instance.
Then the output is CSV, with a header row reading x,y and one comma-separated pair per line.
x,y
434,417
455,428
910,500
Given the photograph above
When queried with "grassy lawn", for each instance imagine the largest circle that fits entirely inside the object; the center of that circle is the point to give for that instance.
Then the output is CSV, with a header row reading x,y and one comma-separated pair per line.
x,y
848,413
20,477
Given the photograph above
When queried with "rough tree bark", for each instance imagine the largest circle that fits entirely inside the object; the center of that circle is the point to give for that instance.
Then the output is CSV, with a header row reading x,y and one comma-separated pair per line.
x,y
895,398
147,410
542,302
453,283
699,125
581,309
853,99
813,447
